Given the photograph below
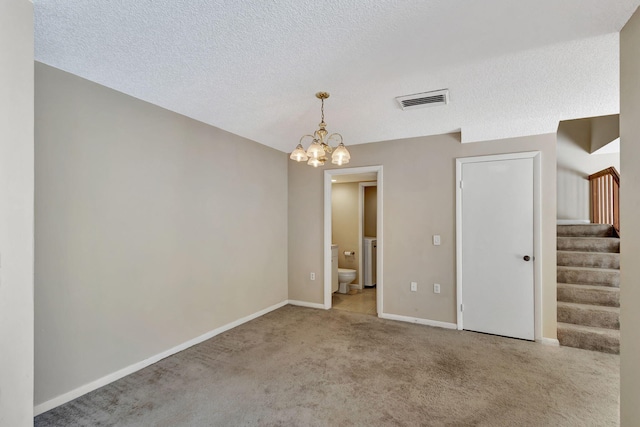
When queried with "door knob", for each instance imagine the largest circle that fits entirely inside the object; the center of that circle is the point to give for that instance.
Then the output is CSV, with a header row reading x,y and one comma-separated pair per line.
x,y
526,257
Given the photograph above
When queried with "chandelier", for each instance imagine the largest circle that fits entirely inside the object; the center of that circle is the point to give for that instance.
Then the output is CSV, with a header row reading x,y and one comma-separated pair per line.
x,y
320,146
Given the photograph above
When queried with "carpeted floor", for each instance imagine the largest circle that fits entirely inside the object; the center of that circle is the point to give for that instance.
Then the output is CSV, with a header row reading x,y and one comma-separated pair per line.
x,y
305,367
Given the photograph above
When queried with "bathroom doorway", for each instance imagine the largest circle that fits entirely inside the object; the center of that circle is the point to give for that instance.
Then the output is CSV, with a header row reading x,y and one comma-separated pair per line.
x,y
353,222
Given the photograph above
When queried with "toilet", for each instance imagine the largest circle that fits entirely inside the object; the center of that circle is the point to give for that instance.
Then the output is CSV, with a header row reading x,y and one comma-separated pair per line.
x,y
345,276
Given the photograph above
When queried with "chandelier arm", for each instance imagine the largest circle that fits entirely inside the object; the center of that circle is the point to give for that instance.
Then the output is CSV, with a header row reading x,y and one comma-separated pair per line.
x,y
335,136
305,136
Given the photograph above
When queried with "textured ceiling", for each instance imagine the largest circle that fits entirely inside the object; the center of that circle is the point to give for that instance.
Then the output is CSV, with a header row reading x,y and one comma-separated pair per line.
x,y
252,67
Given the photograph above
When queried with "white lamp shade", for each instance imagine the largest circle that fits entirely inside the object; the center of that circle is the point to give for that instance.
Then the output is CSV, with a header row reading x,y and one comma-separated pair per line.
x,y
315,150
299,155
340,155
315,162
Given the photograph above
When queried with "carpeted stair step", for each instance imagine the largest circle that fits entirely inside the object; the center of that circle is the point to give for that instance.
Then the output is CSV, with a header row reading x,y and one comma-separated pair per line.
x,y
589,276
589,244
589,338
584,230
589,259
589,315
589,294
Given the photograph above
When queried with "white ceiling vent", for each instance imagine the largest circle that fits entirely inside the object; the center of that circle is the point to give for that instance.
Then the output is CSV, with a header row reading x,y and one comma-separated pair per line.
x,y
424,99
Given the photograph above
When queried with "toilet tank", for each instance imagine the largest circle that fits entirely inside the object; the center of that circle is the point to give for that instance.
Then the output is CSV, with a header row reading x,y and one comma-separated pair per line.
x,y
334,268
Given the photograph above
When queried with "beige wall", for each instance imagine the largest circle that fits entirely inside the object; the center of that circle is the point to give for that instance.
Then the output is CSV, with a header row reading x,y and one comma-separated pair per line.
x,y
604,129
344,219
419,201
151,229
16,213
575,164
629,224
370,211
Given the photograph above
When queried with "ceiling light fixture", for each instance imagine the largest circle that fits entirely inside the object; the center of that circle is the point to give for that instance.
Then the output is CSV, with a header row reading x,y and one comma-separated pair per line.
x,y
316,155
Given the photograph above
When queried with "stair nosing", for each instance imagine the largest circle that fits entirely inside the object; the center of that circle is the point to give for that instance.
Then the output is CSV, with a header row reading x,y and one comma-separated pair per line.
x,y
586,252
588,328
589,268
578,266
589,237
614,289
588,306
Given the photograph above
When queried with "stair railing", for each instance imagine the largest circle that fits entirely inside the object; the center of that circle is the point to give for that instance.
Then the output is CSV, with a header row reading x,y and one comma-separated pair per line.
x,y
605,197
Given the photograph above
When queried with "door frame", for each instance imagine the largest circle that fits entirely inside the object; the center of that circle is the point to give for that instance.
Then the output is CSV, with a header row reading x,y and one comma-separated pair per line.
x,y
361,235
328,174
537,232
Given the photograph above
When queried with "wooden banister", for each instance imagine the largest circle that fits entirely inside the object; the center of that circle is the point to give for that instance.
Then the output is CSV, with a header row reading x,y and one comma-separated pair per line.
x,y
605,197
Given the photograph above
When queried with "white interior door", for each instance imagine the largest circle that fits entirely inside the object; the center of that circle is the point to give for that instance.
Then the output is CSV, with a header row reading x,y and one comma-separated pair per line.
x,y
497,247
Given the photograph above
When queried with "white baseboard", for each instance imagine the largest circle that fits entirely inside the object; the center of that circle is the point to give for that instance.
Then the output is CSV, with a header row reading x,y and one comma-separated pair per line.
x,y
548,341
418,320
306,304
573,221
100,382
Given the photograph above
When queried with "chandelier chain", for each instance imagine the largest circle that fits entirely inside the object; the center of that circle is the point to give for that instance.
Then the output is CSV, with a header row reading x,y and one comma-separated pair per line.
x,y
322,109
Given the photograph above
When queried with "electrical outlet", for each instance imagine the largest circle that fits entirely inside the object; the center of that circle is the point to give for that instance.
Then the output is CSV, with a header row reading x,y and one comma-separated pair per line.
x,y
313,276
436,288
436,240
414,286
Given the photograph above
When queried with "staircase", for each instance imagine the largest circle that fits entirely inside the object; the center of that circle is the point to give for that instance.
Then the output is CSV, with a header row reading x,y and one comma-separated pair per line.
x,y
589,287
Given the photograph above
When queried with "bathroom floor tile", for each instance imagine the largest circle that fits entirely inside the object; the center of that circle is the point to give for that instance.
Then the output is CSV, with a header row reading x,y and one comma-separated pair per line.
x,y
360,302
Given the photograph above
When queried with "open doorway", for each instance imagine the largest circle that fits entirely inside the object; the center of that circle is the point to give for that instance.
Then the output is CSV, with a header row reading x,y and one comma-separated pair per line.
x,y
588,207
347,247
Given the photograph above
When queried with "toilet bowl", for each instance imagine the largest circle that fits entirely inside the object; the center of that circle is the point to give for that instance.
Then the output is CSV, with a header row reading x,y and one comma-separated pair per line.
x,y
345,276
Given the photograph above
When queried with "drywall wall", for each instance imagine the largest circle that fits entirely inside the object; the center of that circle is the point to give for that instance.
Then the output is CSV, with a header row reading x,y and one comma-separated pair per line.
x,y
604,129
575,164
151,229
629,224
419,201
370,211
344,219
16,213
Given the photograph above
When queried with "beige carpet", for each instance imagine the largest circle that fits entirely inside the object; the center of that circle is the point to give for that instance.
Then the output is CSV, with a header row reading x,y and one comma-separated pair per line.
x,y
304,367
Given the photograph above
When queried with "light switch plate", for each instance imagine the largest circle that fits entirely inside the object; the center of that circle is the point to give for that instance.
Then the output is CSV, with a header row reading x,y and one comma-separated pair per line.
x,y
414,286
436,240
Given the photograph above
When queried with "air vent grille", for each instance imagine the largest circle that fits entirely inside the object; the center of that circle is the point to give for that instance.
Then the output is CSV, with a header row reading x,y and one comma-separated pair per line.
x,y
425,99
